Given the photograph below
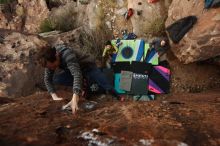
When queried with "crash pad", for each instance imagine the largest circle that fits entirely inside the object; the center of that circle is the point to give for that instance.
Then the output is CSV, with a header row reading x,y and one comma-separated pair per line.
x,y
152,57
144,97
159,80
141,67
119,66
117,84
126,80
129,50
139,84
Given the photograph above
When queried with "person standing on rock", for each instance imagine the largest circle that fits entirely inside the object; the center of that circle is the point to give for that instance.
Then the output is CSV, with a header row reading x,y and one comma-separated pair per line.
x,y
62,67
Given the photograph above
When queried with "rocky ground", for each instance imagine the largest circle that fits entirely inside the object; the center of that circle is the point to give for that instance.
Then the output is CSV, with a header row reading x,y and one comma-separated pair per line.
x,y
172,120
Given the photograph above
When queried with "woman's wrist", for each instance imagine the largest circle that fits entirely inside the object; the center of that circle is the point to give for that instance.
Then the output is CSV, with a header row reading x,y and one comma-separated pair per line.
x,y
77,92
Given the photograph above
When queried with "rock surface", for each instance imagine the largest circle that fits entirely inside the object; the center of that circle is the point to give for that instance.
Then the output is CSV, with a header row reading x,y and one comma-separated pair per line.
x,y
178,120
19,72
151,15
202,41
83,41
13,19
35,12
194,77
26,16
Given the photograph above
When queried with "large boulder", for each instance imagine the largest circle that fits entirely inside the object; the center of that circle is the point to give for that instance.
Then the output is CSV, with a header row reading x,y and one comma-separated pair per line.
x,y
85,42
93,17
107,15
68,17
148,18
11,17
24,15
193,77
19,72
57,3
35,12
203,40
70,38
3,21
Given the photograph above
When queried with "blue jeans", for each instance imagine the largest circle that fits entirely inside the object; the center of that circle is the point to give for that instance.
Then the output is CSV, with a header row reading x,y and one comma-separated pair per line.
x,y
93,75
63,78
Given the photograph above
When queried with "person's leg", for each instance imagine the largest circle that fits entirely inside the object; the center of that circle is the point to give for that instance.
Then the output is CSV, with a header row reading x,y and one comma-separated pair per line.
x,y
63,78
94,74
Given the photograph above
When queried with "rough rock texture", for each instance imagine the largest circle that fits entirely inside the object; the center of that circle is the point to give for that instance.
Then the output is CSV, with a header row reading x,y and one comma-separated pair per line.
x,y
108,13
70,38
12,19
72,14
19,72
26,16
178,120
69,16
57,37
62,2
35,12
149,14
194,77
81,41
3,22
201,42
92,13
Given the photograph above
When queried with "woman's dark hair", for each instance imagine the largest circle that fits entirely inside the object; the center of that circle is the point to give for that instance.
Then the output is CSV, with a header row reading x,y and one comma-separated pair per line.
x,y
46,54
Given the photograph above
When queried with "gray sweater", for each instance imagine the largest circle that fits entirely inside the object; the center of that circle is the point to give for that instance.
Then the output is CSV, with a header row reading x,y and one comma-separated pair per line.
x,y
68,60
